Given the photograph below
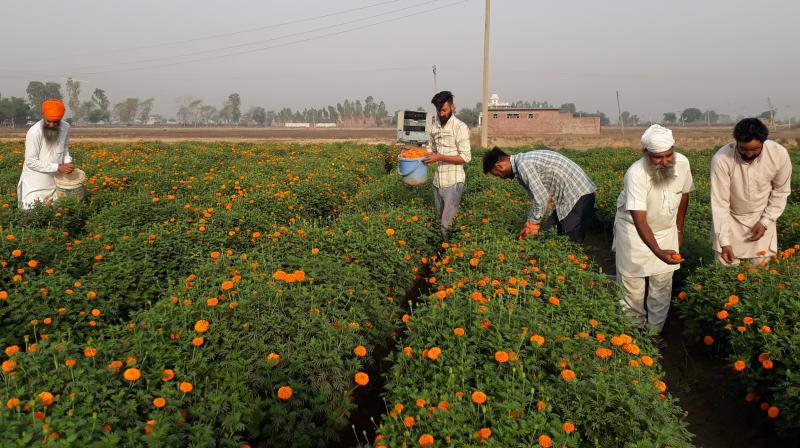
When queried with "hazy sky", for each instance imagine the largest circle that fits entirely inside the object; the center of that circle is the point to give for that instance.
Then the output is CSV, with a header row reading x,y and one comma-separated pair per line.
x,y
726,55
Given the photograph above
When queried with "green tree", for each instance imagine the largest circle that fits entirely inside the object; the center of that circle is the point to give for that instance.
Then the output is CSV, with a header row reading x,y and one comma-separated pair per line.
x,y
568,107
38,92
712,116
259,115
236,102
15,110
468,116
145,108
670,117
73,99
126,111
692,115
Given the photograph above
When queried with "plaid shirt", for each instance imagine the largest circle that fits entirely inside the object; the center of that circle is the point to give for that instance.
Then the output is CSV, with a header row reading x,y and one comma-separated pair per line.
x,y
547,173
452,139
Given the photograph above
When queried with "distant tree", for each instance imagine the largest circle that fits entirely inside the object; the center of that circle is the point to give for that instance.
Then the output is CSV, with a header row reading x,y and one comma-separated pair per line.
x,y
14,111
692,115
259,115
625,116
568,107
765,115
711,116
145,107
38,92
236,102
468,116
74,101
670,117
125,111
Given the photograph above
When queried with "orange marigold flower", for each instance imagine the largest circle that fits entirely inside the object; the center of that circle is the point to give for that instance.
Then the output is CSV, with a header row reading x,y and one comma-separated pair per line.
x,y
603,352
501,356
545,441
185,387
390,232
433,353
362,379
458,331
132,374
198,341
479,397
89,352
46,398
722,315
568,427
773,412
70,362
741,277
483,434
285,393
767,364
646,360
426,440
227,285
739,365
537,339
9,365
708,340
360,351
567,375
409,421
661,386
167,375
159,402
12,403
201,326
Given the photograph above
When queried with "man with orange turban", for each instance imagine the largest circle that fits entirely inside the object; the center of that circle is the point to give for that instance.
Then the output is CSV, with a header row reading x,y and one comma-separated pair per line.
x,y
46,154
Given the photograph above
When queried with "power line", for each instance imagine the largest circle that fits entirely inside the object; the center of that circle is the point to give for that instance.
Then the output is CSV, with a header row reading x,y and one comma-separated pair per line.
x,y
255,50
247,44
232,33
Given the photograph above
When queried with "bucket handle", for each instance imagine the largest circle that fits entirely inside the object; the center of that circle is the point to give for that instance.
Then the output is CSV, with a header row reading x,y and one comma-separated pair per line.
x,y
410,171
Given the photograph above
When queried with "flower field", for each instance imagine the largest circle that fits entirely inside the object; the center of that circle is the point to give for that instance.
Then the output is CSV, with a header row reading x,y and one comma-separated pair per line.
x,y
233,294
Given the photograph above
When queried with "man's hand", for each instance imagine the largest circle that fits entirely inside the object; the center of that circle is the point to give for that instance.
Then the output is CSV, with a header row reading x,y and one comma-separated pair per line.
x,y
432,158
727,254
66,168
529,229
669,256
756,232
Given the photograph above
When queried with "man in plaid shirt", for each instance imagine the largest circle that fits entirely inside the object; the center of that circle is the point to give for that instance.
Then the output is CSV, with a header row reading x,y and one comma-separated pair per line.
x,y
448,142
545,175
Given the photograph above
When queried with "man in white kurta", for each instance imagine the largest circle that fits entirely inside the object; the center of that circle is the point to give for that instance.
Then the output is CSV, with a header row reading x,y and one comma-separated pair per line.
x,y
450,149
46,153
648,227
750,184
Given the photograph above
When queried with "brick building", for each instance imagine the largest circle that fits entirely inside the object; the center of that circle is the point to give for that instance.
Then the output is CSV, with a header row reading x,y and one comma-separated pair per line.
x,y
507,120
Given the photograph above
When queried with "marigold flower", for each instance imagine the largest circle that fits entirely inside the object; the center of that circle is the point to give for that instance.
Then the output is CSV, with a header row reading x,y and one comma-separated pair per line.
x,y
198,341
185,387
159,402
722,315
46,398
426,440
646,360
9,365
70,362
568,427
603,352
501,356
409,421
360,351
89,352
458,331
285,392
167,375
12,403
132,374
773,412
567,375
479,397
201,326
389,232
361,378
545,441
739,365
483,434
433,353
227,285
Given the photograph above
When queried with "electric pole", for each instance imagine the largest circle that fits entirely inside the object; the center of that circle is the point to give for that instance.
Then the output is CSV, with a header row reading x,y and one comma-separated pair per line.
x,y
435,90
485,103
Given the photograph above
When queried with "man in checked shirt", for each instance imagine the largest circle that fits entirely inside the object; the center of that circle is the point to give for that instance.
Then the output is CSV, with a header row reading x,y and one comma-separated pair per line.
x,y
547,174
448,142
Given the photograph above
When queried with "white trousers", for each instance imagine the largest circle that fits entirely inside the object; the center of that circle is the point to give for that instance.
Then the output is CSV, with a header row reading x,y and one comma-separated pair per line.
x,y
736,261
651,310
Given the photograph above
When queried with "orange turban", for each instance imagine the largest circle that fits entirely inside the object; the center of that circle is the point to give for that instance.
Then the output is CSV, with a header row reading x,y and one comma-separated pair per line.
x,y
53,110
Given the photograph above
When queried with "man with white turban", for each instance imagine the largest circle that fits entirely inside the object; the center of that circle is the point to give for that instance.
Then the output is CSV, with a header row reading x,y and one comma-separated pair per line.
x,y
648,228
46,154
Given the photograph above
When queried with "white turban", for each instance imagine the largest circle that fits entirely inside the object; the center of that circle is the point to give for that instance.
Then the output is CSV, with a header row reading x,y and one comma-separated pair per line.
x,y
657,139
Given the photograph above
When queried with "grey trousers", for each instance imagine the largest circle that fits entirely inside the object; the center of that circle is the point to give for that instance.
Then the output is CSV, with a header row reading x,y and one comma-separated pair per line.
x,y
446,201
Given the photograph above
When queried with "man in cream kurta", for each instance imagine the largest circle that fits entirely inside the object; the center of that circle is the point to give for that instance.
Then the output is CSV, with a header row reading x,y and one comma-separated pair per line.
x,y
750,183
450,149
46,153
648,227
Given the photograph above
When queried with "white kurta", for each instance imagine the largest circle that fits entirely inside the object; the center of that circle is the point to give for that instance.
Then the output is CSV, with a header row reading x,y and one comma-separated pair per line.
x,y
743,194
661,202
41,162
